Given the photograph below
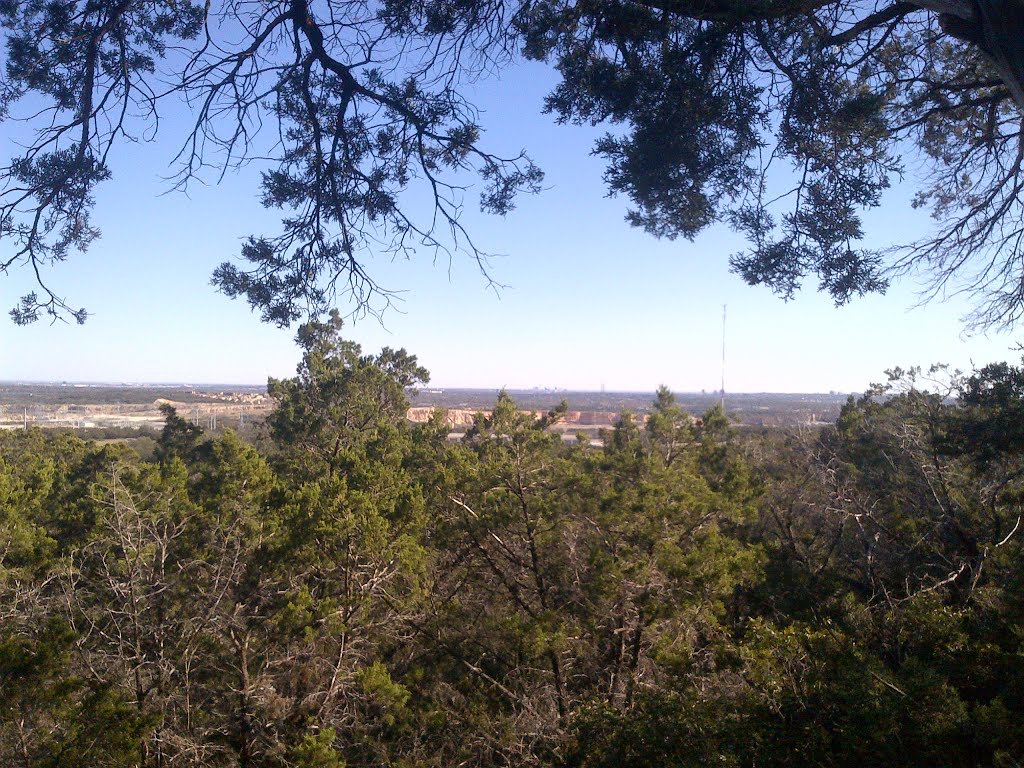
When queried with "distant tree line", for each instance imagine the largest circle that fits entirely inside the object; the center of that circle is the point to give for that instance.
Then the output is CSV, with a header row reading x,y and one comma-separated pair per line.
x,y
360,591
62,394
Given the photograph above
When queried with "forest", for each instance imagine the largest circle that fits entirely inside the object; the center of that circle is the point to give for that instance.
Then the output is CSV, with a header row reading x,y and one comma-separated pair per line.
x,y
350,589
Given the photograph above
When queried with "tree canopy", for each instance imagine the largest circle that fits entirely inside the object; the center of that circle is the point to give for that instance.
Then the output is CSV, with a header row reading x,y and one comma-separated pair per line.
x,y
349,106
359,590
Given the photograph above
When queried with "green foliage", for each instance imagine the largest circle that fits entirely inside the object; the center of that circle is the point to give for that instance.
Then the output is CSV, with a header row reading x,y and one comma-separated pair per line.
x,y
53,718
342,402
662,729
370,593
179,438
702,101
316,751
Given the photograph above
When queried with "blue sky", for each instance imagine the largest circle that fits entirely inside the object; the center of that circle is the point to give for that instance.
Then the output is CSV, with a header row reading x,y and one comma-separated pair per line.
x,y
589,302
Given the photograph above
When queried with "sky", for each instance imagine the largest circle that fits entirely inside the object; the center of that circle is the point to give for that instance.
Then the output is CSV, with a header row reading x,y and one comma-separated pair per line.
x,y
589,302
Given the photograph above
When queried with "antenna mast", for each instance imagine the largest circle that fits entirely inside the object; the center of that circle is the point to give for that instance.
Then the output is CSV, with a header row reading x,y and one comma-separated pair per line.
x,y
723,357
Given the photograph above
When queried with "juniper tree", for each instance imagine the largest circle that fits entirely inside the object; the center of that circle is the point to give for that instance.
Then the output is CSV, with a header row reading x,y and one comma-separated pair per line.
x,y
347,107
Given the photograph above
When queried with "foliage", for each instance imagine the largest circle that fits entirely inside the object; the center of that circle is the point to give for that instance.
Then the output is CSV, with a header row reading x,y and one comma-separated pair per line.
x,y
370,593
354,110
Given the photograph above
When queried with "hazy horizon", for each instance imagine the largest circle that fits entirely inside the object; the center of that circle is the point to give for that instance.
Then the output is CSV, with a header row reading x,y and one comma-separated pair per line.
x,y
116,384
590,301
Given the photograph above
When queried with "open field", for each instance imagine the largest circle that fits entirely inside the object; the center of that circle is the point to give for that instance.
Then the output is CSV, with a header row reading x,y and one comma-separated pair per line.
x,y
57,406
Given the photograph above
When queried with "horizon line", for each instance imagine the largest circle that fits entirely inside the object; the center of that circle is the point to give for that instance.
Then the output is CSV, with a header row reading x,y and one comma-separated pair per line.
x,y
461,388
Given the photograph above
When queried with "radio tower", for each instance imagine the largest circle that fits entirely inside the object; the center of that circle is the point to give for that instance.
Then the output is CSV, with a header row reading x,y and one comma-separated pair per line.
x,y
723,357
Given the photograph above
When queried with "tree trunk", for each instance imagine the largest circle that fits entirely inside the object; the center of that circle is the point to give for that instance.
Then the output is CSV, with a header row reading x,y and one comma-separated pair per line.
x,y
996,27
1002,25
